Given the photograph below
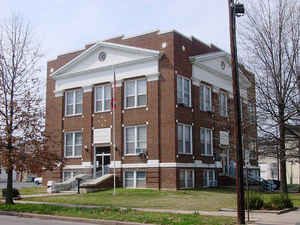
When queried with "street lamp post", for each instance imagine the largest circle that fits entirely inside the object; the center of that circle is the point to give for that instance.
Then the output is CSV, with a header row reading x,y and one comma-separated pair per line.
x,y
236,9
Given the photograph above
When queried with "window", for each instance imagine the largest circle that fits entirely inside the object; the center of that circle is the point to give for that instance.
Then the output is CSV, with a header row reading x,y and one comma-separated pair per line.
x,y
184,139
251,112
205,98
246,155
186,178
135,93
73,144
135,179
102,98
206,140
223,104
73,102
252,147
135,140
184,91
241,108
209,178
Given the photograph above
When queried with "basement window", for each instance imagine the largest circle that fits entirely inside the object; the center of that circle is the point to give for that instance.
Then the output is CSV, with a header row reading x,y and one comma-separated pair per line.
x,y
135,179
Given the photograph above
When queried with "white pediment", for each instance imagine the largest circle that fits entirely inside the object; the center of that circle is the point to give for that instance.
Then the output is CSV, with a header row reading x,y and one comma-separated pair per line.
x,y
216,68
86,70
115,56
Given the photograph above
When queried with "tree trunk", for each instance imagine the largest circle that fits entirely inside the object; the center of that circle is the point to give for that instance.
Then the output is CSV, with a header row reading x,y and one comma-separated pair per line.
x,y
9,187
283,183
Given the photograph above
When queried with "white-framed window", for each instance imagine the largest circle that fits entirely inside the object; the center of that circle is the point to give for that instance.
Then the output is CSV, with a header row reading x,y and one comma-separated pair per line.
x,y
223,104
73,102
73,144
135,139
206,140
135,93
134,179
184,91
102,98
251,112
186,178
184,136
205,98
209,178
246,155
252,148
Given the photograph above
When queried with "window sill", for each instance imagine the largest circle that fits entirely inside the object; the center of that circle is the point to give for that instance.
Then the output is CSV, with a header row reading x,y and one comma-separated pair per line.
x,y
182,153
136,107
73,115
73,157
207,155
183,105
99,112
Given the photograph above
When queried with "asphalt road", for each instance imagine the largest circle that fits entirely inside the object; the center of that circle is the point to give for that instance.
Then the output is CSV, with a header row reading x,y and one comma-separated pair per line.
x,y
14,220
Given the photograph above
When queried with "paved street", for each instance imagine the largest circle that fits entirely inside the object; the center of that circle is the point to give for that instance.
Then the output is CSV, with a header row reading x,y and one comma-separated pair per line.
x,y
14,220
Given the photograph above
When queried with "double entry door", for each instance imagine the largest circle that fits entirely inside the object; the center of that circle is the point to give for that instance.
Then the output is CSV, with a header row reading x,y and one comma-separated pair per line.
x,y
101,161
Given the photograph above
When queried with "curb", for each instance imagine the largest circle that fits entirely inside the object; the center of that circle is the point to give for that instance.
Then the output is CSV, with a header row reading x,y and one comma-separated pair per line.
x,y
278,212
70,219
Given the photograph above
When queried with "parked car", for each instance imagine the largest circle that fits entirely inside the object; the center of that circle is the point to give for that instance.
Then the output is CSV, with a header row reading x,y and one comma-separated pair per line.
x,y
30,179
275,184
38,180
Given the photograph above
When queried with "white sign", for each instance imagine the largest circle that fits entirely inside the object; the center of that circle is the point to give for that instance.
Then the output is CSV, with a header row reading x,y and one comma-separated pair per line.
x,y
224,138
102,136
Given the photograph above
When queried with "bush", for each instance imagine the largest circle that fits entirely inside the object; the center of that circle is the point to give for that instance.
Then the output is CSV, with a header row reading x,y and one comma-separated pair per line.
x,y
281,201
15,193
255,200
267,205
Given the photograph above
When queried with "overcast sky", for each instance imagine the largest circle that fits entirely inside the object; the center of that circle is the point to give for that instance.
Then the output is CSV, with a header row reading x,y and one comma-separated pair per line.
x,y
66,25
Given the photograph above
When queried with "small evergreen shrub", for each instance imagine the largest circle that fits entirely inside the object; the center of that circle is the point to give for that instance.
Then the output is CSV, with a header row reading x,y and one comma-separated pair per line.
x,y
255,200
281,201
15,193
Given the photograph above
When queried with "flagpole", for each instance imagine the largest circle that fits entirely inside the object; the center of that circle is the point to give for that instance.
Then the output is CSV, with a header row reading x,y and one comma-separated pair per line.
x,y
114,129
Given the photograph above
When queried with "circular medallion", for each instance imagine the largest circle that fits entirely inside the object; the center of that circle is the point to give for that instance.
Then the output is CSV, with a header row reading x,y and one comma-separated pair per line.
x,y
102,56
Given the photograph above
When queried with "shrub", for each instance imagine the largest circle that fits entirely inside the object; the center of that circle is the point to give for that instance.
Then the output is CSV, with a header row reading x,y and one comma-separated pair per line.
x,y
281,201
267,205
255,200
15,193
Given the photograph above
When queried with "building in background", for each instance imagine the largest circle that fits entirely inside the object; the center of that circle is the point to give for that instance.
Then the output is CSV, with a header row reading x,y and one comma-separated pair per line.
x,y
174,112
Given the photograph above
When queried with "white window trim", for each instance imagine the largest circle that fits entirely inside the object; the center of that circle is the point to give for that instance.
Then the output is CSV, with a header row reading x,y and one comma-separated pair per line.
x,y
183,138
135,94
182,86
74,103
206,176
226,103
212,141
103,98
135,139
186,178
134,179
73,144
204,98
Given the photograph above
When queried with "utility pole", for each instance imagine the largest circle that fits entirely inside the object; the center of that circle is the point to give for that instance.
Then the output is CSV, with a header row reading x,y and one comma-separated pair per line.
x,y
237,10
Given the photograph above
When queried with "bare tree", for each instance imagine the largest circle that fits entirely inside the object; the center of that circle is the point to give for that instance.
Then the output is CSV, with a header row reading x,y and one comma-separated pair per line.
x,y
21,108
270,48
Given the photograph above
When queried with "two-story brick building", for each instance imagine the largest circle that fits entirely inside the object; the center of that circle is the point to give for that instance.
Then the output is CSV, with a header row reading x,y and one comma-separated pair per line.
x,y
174,111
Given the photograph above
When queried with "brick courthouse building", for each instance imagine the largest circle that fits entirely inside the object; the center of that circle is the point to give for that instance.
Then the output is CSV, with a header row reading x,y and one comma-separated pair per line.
x,y
174,112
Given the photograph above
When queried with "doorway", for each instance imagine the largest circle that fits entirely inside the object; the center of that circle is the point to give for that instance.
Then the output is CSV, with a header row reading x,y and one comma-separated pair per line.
x,y
101,161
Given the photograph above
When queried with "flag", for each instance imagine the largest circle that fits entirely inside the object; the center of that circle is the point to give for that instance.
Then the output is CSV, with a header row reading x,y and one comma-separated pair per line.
x,y
113,102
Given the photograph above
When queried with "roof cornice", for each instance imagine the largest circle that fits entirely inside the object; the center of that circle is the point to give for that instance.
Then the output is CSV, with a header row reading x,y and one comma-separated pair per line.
x,y
104,68
85,53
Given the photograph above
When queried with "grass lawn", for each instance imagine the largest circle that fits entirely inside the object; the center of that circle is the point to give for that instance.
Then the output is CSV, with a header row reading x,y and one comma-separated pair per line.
x,y
206,199
33,190
121,215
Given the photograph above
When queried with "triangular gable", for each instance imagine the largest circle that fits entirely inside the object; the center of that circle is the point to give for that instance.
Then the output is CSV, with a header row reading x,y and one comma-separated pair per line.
x,y
219,63
115,54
